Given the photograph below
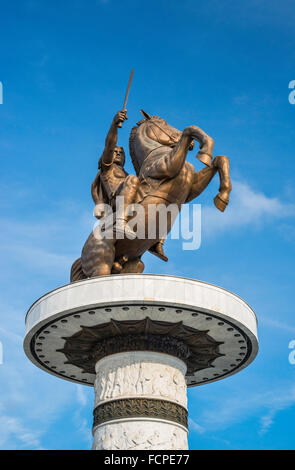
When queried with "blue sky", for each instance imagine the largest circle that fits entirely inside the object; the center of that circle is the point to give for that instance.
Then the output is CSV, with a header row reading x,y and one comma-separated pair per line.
x,y
222,65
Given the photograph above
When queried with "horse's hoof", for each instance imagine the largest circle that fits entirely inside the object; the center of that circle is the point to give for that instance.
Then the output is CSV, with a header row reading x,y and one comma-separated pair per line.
x,y
220,203
116,268
157,250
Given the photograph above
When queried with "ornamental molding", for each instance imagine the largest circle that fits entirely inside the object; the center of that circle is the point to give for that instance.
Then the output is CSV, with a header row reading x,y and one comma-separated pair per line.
x,y
139,408
90,344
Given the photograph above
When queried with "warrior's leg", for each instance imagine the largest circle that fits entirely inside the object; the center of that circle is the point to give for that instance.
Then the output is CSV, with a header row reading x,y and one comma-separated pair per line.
x,y
221,162
128,191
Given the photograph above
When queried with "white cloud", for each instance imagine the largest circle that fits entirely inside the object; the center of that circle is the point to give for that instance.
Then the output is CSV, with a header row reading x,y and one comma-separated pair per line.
x,y
195,426
222,412
247,207
266,422
81,396
31,401
48,244
281,401
277,325
35,246
12,429
80,422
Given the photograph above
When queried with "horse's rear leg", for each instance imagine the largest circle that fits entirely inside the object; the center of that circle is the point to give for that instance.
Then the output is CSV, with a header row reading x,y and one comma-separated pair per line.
x,y
221,162
77,273
133,266
97,256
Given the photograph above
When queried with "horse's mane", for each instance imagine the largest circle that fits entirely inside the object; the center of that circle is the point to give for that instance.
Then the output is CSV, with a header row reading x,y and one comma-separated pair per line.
x,y
132,139
131,145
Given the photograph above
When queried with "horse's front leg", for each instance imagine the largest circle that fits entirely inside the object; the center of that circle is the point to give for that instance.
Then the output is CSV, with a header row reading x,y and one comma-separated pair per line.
x,y
203,177
205,154
174,161
201,180
221,163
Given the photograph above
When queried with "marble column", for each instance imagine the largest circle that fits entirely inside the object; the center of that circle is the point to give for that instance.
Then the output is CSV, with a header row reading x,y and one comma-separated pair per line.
x,y
140,402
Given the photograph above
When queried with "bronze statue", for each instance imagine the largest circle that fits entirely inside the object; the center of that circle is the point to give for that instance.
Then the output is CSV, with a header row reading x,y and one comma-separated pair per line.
x,y
164,177
112,181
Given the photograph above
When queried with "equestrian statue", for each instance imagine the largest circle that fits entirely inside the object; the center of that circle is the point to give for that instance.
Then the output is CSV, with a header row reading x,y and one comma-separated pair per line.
x,y
163,177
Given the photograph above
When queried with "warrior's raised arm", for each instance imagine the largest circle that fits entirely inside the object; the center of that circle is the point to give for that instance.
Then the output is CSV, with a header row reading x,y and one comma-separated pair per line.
x,y
112,137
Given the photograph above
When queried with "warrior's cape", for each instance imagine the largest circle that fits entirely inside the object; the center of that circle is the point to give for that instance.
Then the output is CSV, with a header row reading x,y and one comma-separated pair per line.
x,y
97,191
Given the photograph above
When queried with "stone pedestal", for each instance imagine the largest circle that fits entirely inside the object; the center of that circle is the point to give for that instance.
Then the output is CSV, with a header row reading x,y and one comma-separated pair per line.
x,y
140,340
140,402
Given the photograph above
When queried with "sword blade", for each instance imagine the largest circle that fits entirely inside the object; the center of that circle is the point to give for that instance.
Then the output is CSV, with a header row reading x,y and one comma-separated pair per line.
x,y
128,89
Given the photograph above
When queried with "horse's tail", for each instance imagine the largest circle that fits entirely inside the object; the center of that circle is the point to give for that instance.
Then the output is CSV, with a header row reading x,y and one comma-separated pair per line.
x,y
77,273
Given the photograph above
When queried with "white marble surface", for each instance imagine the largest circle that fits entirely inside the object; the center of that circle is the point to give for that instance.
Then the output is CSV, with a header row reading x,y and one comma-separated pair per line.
x,y
141,287
140,375
92,302
140,435
143,374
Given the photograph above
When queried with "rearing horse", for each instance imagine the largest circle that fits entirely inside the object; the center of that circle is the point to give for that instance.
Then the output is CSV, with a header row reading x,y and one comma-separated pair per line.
x,y
158,152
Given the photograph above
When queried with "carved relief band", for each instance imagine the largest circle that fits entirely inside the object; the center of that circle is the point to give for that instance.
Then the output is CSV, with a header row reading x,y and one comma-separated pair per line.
x,y
139,408
142,374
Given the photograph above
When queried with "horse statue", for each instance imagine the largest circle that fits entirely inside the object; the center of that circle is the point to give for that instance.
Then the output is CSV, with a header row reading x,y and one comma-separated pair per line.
x,y
164,177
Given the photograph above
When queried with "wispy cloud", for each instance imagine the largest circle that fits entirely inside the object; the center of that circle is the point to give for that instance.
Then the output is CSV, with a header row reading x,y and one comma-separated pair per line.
x,y
222,412
14,433
247,207
47,243
80,422
277,325
27,407
81,396
276,403
195,426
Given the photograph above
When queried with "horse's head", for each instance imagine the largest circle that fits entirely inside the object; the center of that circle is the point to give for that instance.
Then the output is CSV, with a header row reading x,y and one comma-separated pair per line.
x,y
160,131
151,133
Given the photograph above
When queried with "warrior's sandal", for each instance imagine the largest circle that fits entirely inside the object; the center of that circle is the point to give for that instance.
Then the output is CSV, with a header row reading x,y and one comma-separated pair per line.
x,y
119,227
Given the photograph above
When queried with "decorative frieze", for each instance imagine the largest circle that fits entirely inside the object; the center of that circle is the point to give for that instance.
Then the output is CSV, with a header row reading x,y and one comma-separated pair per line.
x,y
141,374
142,434
139,408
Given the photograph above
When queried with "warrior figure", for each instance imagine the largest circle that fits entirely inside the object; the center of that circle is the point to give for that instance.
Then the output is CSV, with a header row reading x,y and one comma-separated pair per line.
x,y
112,180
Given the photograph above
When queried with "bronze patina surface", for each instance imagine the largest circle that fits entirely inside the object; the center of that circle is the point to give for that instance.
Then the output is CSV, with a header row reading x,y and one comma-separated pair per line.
x,y
163,177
